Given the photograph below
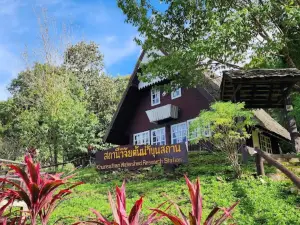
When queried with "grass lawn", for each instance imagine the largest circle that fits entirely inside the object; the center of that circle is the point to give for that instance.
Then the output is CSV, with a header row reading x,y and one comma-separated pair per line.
x,y
262,201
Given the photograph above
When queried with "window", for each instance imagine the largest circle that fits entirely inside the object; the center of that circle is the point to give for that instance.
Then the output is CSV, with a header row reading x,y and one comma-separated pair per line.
x,y
142,138
196,133
178,133
206,131
265,143
176,93
158,136
155,97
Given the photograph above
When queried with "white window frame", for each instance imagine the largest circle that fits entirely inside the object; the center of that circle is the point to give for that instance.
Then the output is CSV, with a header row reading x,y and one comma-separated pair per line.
x,y
265,143
207,129
161,138
173,96
197,130
156,92
178,124
141,134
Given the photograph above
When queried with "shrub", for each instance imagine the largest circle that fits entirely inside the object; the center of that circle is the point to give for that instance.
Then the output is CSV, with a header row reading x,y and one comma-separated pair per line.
x,y
224,126
40,192
119,212
195,216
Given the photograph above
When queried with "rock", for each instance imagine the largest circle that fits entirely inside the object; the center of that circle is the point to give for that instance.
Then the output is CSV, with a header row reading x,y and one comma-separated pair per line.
x,y
262,181
294,160
297,170
276,177
295,190
220,179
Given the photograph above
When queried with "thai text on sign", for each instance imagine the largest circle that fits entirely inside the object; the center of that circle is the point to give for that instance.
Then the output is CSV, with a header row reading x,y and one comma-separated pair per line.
x,y
134,156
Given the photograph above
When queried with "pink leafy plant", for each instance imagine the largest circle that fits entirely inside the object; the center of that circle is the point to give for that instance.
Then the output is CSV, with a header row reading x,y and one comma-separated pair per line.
x,y
41,192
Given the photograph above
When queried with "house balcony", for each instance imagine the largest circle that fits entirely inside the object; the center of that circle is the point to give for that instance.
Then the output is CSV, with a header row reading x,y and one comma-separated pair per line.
x,y
162,113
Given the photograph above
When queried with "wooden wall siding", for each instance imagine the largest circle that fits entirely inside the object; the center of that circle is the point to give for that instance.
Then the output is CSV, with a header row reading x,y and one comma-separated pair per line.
x,y
190,103
255,139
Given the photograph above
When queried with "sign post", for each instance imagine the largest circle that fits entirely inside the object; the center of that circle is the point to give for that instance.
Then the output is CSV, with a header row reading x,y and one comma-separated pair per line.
x,y
137,156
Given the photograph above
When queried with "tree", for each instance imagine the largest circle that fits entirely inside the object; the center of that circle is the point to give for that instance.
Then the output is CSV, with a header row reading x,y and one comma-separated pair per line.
x,y
102,91
10,147
53,113
103,101
228,124
85,61
207,34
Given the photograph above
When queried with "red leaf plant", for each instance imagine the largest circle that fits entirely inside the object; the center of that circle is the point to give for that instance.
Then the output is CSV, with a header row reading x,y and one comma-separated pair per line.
x,y
119,212
41,193
195,217
18,220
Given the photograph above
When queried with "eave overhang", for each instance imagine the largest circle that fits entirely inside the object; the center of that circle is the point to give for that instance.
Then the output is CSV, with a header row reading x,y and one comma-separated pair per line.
x,y
259,88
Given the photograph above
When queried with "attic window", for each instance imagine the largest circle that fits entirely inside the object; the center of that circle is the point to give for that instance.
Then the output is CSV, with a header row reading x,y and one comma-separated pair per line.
x,y
155,97
176,93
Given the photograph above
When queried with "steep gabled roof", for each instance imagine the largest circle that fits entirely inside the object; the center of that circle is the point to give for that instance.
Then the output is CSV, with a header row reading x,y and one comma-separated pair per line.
x,y
267,122
131,85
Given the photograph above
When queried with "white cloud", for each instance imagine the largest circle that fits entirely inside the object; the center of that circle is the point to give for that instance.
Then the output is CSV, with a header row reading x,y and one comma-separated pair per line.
x,y
115,53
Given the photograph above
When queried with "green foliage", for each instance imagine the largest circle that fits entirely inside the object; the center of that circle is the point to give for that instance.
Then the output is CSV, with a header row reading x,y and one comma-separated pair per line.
x,y
158,170
262,201
226,120
296,106
210,34
228,123
103,99
53,115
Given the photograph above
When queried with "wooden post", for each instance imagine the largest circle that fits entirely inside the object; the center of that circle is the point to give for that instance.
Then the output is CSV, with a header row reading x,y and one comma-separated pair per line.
x,y
259,165
293,177
292,125
244,154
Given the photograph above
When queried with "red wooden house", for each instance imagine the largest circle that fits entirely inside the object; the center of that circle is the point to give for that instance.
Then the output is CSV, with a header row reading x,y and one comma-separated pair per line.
x,y
148,115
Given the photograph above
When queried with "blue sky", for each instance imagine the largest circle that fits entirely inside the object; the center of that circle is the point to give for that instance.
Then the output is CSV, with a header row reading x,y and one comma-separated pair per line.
x,y
100,21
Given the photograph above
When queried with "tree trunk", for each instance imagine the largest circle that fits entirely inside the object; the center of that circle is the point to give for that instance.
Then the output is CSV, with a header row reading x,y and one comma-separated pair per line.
x,y
234,160
245,154
55,158
283,169
259,165
237,169
289,60
292,126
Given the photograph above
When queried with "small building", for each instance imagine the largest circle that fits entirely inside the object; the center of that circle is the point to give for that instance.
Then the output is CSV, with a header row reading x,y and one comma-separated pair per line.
x,y
147,115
